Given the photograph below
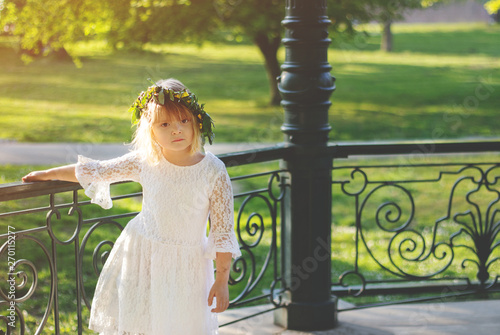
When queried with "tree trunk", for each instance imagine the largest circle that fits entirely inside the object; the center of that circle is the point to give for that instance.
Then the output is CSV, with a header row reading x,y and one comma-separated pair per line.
x,y
33,52
496,16
62,54
269,49
386,44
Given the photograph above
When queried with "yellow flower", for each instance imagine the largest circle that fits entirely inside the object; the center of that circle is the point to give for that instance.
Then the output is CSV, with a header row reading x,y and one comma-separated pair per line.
x,y
184,94
199,116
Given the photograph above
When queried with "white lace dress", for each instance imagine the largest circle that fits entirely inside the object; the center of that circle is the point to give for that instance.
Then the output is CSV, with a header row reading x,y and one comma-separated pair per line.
x,y
158,275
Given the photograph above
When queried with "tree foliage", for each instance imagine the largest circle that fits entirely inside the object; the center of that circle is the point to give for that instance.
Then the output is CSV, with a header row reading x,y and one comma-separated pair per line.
x,y
492,6
48,25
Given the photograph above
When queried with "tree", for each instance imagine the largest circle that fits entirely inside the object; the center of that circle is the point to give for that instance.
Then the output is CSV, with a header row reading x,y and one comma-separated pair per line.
x,y
493,8
387,11
260,20
47,26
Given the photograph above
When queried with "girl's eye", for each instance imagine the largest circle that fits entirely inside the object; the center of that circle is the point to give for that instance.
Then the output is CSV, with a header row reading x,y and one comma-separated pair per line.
x,y
185,121
164,124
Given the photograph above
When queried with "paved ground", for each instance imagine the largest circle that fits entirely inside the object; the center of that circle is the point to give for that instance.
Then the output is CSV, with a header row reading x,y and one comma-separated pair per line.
x,y
452,318
67,153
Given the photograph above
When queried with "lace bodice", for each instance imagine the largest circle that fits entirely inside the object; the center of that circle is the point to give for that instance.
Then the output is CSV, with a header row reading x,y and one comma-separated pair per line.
x,y
177,200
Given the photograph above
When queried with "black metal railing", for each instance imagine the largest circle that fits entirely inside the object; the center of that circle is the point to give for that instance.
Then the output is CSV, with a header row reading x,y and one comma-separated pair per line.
x,y
409,224
420,223
51,255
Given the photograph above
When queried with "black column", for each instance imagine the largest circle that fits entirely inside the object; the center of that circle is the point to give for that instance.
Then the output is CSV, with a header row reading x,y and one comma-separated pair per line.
x,y
305,86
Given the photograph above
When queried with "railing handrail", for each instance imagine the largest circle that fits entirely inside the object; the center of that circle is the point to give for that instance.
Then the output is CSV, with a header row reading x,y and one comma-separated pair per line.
x,y
19,190
344,150
271,153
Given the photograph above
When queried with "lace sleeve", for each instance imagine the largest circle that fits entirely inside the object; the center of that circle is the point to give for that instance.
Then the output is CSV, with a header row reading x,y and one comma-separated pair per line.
x,y
221,237
96,176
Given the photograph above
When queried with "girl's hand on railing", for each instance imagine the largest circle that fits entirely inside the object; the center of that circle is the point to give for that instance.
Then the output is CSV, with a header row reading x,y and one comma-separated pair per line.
x,y
36,176
66,173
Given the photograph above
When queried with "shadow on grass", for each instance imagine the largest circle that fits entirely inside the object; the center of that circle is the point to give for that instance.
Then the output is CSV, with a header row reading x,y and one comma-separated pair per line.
x,y
120,78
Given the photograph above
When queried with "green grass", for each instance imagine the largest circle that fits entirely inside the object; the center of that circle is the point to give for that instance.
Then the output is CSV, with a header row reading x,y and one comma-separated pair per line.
x,y
441,81
48,101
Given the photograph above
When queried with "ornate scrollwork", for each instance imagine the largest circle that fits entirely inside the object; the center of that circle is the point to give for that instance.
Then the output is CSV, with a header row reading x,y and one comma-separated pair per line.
x,y
251,236
254,231
252,228
394,217
14,316
280,180
343,282
19,280
239,267
99,256
477,219
354,183
473,206
55,212
276,297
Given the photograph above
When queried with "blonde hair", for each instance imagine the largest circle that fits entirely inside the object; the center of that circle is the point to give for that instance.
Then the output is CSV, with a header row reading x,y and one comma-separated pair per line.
x,y
144,140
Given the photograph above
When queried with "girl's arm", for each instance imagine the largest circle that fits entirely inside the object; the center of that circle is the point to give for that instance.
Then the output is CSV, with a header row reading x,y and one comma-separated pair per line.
x,y
66,173
220,288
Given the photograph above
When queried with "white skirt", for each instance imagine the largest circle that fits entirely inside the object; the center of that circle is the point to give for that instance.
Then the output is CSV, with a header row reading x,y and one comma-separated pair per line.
x,y
147,287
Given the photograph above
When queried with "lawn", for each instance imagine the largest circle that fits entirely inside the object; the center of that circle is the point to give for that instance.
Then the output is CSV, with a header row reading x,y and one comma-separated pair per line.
x,y
441,81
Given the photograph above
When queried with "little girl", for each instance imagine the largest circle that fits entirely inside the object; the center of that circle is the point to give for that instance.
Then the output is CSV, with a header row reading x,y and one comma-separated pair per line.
x,y
159,276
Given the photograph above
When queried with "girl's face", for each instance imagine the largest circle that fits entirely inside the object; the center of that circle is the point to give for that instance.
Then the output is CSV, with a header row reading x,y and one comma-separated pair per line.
x,y
173,133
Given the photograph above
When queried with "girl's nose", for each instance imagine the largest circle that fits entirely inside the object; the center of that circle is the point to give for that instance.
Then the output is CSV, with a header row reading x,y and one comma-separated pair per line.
x,y
176,129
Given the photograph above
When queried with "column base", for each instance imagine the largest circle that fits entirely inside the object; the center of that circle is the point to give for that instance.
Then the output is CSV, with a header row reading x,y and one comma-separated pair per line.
x,y
308,316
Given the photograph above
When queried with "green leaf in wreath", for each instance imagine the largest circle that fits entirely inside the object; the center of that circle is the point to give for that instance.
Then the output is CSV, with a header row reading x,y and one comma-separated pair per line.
x,y
161,97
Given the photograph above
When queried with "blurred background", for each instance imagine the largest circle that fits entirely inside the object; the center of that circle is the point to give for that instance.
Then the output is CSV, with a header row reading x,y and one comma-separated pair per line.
x,y
405,69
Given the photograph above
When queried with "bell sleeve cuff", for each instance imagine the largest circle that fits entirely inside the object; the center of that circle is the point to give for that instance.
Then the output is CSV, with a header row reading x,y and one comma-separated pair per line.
x,y
222,242
87,173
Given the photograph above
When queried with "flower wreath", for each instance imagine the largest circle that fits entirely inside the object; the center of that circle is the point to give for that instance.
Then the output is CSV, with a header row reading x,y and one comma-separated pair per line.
x,y
186,98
